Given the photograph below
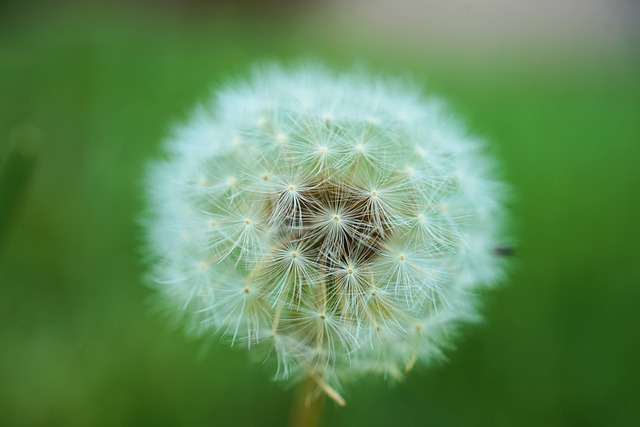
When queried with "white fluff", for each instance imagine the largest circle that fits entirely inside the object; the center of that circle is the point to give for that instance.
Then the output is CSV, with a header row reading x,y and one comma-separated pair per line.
x,y
337,220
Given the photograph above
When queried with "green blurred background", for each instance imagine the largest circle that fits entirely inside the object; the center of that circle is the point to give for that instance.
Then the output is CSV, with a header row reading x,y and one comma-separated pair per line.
x,y
100,84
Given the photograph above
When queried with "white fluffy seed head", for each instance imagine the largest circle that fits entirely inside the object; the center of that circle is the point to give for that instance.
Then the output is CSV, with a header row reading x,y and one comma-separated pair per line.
x,y
338,221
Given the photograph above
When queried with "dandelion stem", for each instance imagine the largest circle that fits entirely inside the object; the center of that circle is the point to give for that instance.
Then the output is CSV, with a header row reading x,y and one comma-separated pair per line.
x,y
307,405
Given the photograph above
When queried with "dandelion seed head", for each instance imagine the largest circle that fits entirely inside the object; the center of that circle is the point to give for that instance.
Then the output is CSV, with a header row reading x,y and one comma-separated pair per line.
x,y
340,222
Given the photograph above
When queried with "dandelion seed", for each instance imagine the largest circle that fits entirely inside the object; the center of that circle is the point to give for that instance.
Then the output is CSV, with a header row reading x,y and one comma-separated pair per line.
x,y
339,222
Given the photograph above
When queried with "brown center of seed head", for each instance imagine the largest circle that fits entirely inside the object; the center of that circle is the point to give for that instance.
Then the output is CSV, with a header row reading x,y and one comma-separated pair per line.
x,y
356,235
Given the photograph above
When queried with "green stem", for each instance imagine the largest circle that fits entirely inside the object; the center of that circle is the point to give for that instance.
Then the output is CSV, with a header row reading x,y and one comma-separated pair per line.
x,y
307,405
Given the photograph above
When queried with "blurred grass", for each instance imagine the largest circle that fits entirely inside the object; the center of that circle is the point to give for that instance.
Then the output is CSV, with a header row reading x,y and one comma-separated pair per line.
x,y
81,345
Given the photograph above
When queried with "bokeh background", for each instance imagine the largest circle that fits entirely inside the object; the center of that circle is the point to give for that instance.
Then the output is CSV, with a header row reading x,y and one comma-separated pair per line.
x,y
95,86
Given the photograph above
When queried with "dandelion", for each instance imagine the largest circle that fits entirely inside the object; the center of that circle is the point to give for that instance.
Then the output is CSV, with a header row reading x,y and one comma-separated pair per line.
x,y
338,221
